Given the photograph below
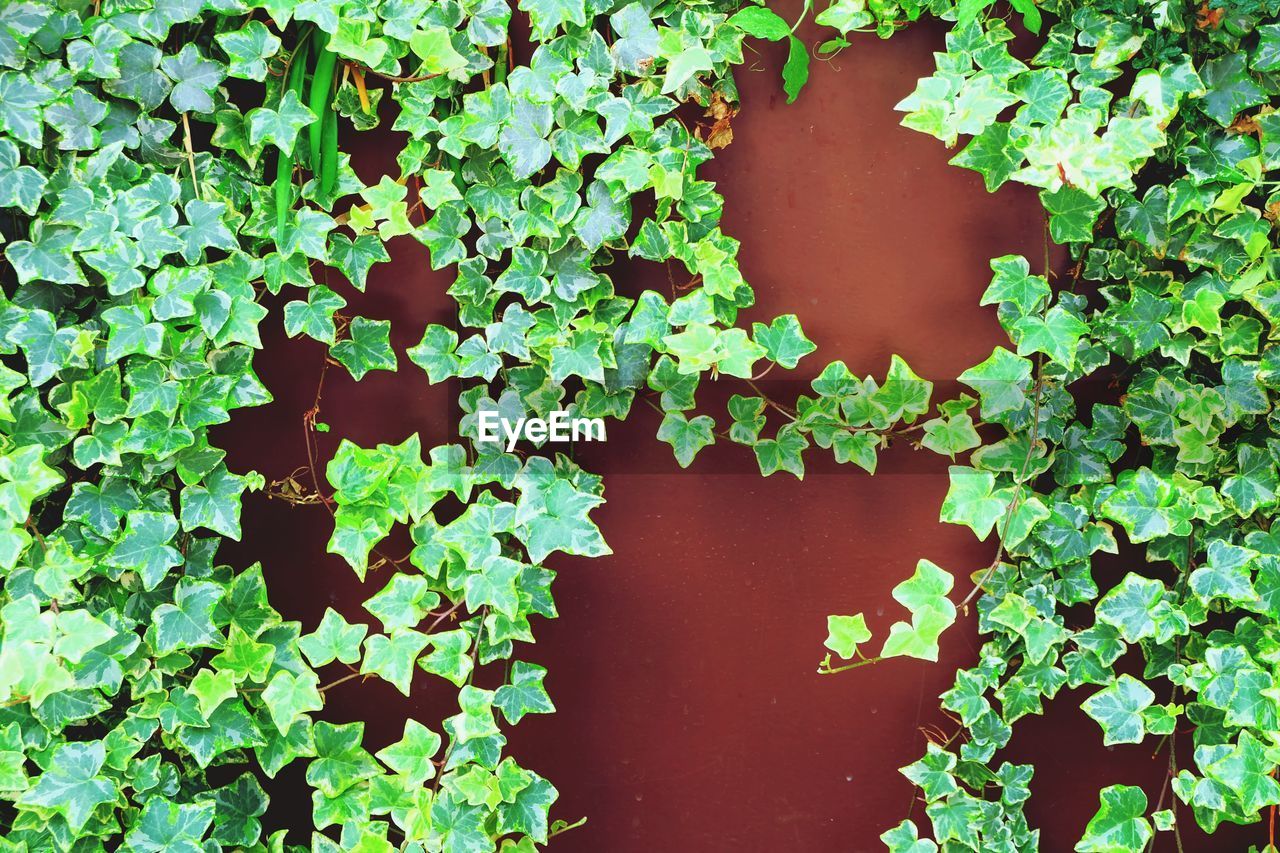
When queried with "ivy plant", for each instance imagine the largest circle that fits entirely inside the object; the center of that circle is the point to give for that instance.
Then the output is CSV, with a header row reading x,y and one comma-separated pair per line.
x,y
164,170
1147,129
164,167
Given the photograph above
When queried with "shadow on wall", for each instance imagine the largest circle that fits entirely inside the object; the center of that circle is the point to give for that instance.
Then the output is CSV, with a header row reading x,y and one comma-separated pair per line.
x,y
683,666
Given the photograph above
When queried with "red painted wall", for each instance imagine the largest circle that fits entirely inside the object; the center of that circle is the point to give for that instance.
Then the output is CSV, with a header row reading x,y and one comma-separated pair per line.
x,y
690,715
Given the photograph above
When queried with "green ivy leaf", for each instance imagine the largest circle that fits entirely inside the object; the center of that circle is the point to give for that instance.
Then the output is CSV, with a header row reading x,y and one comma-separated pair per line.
x,y
194,78
412,755
188,622
523,693
289,696
949,104
141,79
144,547
403,602
994,154
795,71
434,47
1229,89
1119,824
354,258
1072,214
636,45
494,586
904,395
950,436
602,219
1057,334
783,340
340,762
933,774
129,333
563,524
1245,771
527,814
1118,709
279,126
1147,506
392,657
20,186
924,594
683,63
368,348
685,436
761,22
237,808
334,639
215,504
1014,284
782,453
211,688
846,633
523,141
449,657
166,826
972,500
435,353
1131,607
73,785
314,318
248,48
905,838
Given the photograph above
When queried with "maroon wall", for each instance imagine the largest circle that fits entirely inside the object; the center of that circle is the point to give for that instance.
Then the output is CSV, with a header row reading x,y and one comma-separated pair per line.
x,y
690,714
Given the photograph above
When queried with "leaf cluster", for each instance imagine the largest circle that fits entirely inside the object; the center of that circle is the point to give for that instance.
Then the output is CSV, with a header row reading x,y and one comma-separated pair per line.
x,y
1148,133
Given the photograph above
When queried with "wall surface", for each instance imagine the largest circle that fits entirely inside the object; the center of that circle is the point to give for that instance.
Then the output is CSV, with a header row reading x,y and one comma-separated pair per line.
x,y
690,716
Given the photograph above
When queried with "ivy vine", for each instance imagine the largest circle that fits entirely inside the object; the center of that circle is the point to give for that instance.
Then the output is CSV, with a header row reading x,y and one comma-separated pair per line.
x,y
1149,129
163,167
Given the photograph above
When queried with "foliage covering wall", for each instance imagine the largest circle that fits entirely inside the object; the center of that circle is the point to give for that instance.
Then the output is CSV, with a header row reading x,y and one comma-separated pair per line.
x,y
164,167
